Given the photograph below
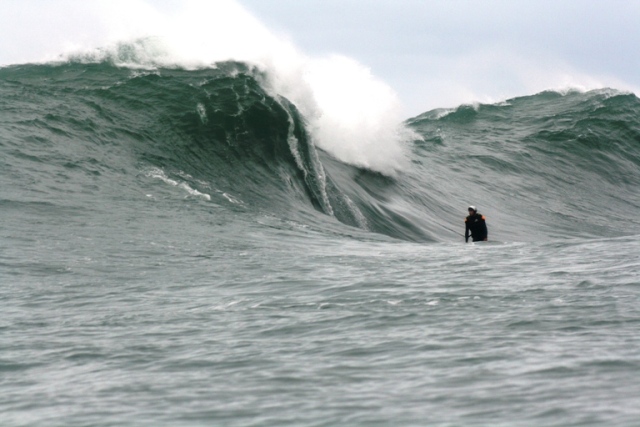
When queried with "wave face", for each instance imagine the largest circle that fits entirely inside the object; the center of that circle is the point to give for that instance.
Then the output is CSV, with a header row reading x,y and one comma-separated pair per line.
x,y
539,167
544,166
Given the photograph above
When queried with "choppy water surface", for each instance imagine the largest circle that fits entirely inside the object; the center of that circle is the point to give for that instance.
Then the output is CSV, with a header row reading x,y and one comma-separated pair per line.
x,y
176,251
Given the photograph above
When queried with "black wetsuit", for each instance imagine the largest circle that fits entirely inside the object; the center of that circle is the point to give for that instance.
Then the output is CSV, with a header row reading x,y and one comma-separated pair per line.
x,y
475,226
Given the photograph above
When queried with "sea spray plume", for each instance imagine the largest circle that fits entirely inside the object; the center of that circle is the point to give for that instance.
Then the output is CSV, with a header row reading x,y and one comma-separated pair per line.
x,y
360,115
351,114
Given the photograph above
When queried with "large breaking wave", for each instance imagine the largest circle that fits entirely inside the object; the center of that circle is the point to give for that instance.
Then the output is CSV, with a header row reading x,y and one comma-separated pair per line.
x,y
545,166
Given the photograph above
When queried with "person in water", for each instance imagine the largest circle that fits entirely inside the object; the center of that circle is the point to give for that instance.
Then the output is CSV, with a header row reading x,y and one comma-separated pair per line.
x,y
475,226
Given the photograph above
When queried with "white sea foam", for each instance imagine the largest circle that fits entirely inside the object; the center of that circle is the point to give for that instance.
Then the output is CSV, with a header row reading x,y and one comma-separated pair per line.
x,y
160,174
351,113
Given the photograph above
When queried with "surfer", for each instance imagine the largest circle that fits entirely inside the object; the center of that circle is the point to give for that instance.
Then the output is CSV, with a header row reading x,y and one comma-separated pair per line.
x,y
475,226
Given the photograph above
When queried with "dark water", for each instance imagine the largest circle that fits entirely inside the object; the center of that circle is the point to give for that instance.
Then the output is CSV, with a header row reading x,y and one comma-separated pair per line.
x,y
175,250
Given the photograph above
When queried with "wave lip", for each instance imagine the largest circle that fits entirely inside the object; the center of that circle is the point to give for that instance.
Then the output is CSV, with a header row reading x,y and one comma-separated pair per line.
x,y
351,114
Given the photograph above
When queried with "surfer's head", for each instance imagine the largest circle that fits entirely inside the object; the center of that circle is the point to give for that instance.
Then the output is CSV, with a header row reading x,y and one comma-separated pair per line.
x,y
472,209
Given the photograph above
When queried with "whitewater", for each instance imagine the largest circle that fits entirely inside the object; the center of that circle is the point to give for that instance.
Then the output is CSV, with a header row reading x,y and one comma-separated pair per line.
x,y
257,238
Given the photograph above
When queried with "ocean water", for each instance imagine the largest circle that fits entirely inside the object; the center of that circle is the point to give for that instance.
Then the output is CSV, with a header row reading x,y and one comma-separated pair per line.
x,y
178,249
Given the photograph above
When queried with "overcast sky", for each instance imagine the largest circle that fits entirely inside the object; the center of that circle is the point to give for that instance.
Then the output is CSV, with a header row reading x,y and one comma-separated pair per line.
x,y
440,53
433,53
